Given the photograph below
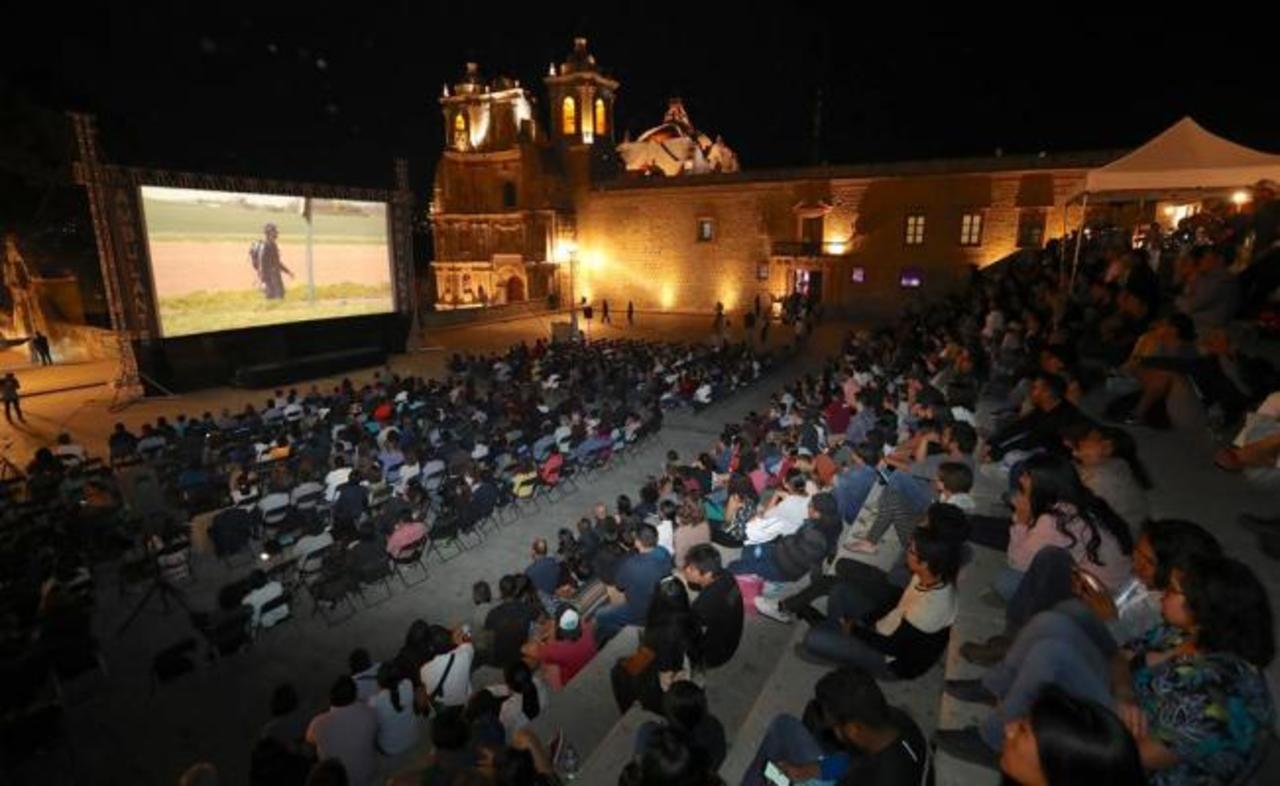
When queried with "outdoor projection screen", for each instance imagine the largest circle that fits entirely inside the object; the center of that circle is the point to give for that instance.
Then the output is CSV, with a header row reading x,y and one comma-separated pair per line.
x,y
223,261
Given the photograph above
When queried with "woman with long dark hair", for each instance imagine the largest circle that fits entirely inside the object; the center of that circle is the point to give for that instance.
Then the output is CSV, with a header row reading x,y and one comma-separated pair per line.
x,y
1195,695
1066,741
1053,508
399,727
669,650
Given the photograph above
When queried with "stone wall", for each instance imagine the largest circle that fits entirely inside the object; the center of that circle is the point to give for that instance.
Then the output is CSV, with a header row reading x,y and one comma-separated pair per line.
x,y
642,244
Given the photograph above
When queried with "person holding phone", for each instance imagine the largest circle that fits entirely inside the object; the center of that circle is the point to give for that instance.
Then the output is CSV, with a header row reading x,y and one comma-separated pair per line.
x,y
849,735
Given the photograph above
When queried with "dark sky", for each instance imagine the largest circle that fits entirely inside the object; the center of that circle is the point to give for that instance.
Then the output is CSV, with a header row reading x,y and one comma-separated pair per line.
x,y
309,94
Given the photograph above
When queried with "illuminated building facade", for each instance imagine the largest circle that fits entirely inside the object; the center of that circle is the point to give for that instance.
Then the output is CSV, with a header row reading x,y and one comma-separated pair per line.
x,y
521,212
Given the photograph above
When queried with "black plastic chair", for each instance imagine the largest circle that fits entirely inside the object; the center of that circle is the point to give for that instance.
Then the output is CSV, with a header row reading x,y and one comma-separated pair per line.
x,y
413,555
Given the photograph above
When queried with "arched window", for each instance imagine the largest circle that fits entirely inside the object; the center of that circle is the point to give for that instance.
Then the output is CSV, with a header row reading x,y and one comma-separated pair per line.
x,y
569,116
602,125
459,130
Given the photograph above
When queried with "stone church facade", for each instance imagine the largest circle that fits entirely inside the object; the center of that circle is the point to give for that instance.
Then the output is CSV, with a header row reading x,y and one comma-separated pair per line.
x,y
519,212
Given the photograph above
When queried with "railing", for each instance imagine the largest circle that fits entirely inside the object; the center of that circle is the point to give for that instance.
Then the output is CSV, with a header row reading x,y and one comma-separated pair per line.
x,y
801,248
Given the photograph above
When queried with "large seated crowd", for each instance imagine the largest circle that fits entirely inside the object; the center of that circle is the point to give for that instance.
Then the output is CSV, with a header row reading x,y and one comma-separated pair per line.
x,y
1002,418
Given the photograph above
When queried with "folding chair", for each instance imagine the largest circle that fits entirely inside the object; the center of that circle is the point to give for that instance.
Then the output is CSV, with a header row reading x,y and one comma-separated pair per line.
x,y
370,574
331,590
413,555
270,608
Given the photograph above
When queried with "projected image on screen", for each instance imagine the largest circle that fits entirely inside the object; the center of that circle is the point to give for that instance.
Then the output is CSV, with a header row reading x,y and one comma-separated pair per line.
x,y
222,260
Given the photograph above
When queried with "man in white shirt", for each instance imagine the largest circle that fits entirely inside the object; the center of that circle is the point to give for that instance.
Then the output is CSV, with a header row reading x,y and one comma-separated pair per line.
x,y
340,474
787,511
70,452
447,676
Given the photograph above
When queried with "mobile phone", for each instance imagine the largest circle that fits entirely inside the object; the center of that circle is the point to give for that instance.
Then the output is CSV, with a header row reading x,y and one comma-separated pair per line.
x,y
775,776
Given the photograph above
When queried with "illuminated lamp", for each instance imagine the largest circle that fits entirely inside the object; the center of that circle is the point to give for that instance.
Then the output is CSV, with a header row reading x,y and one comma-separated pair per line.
x,y
1240,197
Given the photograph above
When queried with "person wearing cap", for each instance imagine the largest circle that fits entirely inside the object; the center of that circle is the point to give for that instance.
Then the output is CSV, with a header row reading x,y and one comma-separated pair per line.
x,y
563,646
265,257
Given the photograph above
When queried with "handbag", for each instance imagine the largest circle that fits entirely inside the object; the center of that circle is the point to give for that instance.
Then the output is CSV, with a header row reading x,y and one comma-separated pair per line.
x,y
639,661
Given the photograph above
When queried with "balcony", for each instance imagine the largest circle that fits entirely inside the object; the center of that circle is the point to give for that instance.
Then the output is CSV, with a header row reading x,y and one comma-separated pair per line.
x,y
802,248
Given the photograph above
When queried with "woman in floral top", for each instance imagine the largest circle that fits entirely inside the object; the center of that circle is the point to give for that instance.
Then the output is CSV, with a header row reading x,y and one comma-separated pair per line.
x,y
1194,695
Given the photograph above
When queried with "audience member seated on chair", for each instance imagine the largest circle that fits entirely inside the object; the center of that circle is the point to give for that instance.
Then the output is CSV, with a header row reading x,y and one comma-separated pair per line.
x,y
849,736
633,586
717,610
262,592
508,622
348,732
367,556
906,639
563,646
684,710
408,532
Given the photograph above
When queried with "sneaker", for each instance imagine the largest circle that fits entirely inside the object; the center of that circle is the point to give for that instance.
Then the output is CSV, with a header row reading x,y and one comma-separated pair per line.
x,y
770,608
972,691
966,745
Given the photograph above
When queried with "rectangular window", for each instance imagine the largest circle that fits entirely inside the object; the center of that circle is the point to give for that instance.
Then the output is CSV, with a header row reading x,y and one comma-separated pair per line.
x,y
811,230
858,275
915,229
971,229
706,230
1031,229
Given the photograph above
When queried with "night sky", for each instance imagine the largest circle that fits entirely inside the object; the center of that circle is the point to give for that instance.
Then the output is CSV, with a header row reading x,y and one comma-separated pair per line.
x,y
310,94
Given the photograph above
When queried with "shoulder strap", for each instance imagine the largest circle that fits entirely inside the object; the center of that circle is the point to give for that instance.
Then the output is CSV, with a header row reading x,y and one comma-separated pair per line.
x,y
439,689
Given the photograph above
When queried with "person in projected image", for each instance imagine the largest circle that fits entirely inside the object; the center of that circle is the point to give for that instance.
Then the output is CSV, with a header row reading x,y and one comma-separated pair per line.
x,y
265,256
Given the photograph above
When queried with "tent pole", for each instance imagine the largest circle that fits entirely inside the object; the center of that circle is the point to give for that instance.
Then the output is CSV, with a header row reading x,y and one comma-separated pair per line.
x,y
1075,263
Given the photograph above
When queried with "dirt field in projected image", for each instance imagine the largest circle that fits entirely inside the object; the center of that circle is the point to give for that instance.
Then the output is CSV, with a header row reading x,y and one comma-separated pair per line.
x,y
185,267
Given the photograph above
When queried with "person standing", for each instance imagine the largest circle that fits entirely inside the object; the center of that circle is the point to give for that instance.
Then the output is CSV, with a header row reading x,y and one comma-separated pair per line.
x,y
631,314
9,386
40,343
604,313
265,256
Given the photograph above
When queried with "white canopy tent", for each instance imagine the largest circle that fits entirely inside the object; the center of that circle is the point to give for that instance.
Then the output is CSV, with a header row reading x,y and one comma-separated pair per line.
x,y
1184,161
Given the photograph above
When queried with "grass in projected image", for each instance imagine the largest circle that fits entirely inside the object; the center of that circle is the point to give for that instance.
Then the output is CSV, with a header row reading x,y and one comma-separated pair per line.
x,y
202,311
